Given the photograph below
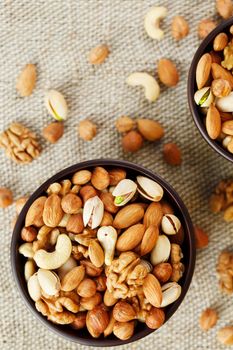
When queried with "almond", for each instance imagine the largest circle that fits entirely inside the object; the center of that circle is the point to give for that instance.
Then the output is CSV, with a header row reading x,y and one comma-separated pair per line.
x,y
35,213
201,238
227,127
26,80
130,238
172,154
52,213
213,122
108,200
75,223
116,175
153,215
100,178
129,215
81,177
168,73
150,129
152,290
96,253
219,72
149,239
72,278
203,70
220,42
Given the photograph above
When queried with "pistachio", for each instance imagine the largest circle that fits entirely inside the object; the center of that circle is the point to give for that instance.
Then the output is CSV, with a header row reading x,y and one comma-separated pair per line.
x,y
93,212
149,189
161,251
124,192
107,237
123,330
56,105
170,293
225,104
170,224
49,281
204,97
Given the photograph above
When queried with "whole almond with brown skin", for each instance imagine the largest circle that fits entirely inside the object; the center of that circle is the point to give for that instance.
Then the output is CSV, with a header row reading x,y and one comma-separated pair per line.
x,y
227,127
203,70
52,213
149,239
179,27
172,154
201,238
100,178
213,122
53,132
108,201
34,215
81,177
153,215
87,192
107,219
96,253
155,318
116,175
224,8
163,272
98,54
150,129
90,303
75,223
123,312
26,80
28,234
72,278
168,73
218,72
132,141
130,238
208,319
152,290
129,215
220,42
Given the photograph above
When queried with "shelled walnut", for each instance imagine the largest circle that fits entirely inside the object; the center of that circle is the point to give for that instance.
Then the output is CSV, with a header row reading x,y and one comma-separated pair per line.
x,y
224,270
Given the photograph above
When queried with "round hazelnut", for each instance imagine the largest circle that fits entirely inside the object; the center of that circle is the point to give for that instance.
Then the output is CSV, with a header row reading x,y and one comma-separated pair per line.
x,y
123,312
101,283
155,318
87,288
132,141
163,272
53,132
71,203
123,330
97,320
124,124
75,223
208,319
6,197
205,27
79,321
87,130
28,234
87,192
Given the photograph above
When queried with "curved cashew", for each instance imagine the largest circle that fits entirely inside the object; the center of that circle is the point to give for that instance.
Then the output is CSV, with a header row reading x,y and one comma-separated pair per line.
x,y
26,250
152,89
52,261
107,236
152,22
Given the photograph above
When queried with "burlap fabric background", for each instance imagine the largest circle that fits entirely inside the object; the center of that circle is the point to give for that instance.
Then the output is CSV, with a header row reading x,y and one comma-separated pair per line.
x,y
57,35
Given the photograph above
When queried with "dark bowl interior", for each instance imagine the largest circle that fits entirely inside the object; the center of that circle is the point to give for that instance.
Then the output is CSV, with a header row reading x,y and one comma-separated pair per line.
x,y
206,46
188,248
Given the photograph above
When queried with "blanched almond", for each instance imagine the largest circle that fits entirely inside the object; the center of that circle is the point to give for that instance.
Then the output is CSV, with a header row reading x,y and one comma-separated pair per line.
x,y
52,213
130,238
213,122
152,290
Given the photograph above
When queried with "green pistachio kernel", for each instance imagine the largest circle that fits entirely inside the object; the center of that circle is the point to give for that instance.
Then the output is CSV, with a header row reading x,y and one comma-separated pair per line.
x,y
204,97
119,200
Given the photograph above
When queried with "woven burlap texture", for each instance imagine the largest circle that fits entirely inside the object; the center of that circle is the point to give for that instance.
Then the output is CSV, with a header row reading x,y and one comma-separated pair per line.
x,y
57,35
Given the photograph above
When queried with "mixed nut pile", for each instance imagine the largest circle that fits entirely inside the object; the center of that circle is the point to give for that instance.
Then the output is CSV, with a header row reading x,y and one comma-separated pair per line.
x,y
103,252
215,89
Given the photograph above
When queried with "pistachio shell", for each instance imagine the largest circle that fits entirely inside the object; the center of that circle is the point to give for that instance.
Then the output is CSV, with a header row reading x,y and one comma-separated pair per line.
x,y
49,281
124,191
170,293
204,97
225,104
56,105
161,251
149,189
93,212
170,224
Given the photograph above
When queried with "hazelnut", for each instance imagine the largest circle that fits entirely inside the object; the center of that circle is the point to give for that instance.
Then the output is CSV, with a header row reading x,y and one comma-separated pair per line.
x,y
180,27
28,234
75,223
208,319
201,238
100,178
107,219
132,141
6,197
98,54
79,321
87,130
19,204
224,8
172,154
53,132
123,312
87,288
116,175
163,272
87,192
205,27
97,320
225,335
124,124
71,203
89,303
155,318
123,330
101,283
108,201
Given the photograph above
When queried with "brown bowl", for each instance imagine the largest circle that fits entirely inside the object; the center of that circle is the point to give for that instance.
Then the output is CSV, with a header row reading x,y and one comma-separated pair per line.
x,y
188,247
206,46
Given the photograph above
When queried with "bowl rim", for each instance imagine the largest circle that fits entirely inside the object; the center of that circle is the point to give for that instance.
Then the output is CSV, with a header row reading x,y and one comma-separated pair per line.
x,y
192,89
68,172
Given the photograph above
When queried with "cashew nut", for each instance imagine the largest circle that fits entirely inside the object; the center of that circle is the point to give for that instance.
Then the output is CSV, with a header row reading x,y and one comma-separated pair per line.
x,y
107,236
26,250
29,269
152,22
49,281
54,260
151,87
34,289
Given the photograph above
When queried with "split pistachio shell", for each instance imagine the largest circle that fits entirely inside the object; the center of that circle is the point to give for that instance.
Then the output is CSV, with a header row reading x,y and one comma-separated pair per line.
x,y
34,289
56,105
204,97
149,189
170,293
161,251
124,191
49,281
93,212
107,236
225,104
170,224
69,265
